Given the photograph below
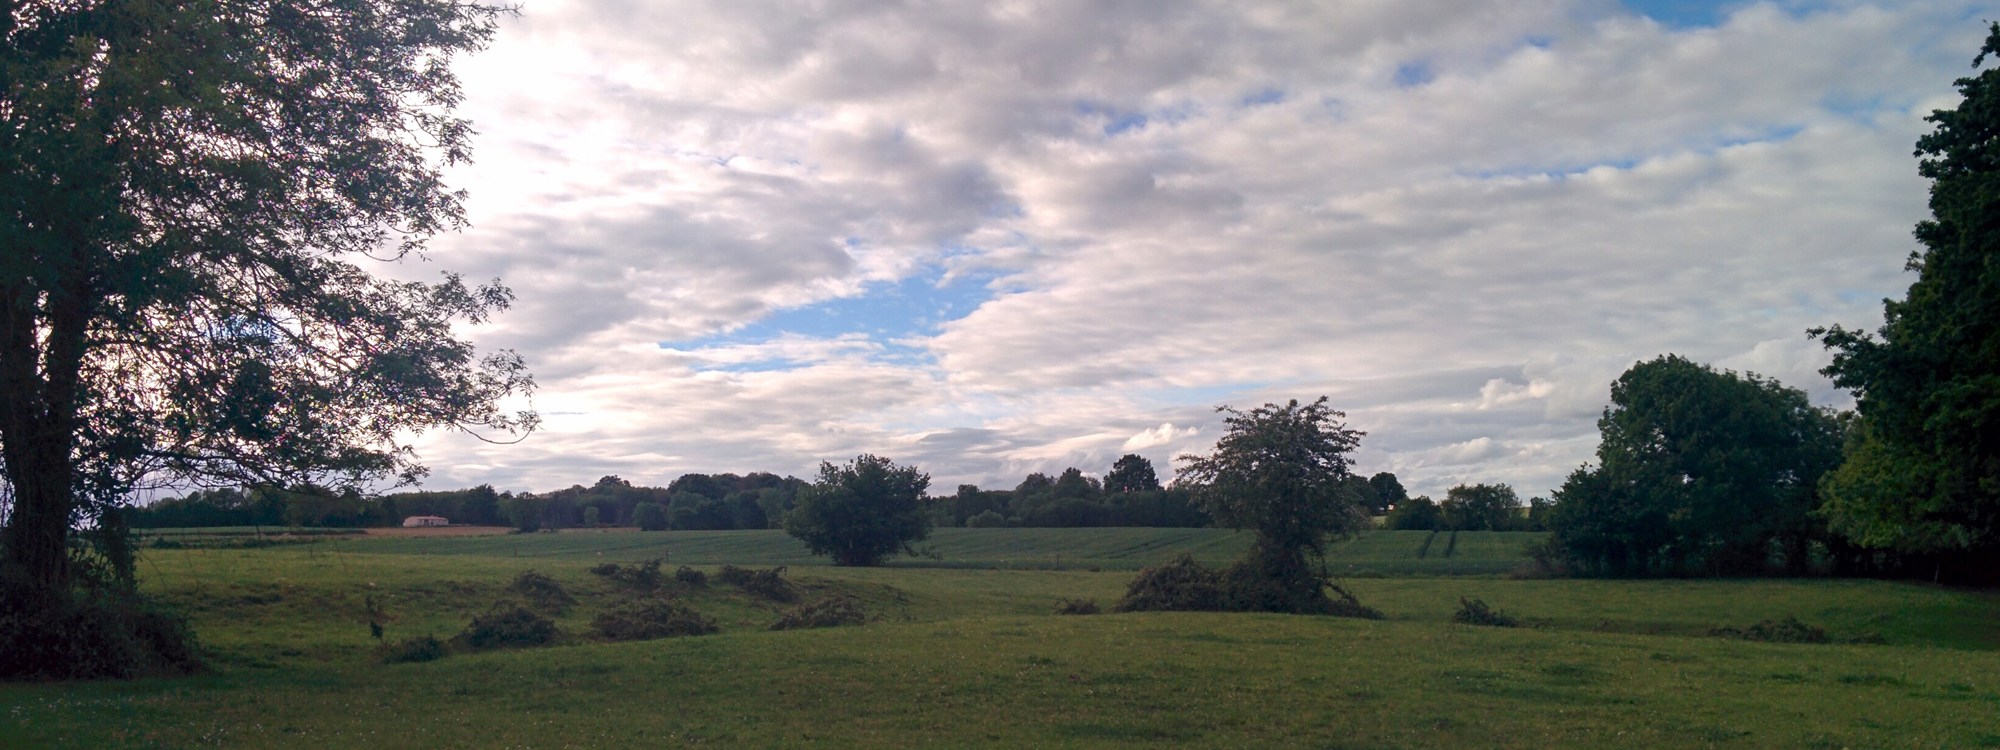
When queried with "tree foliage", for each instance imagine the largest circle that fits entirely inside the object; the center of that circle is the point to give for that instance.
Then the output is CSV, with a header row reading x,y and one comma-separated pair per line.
x,y
1282,472
1389,492
1699,471
185,191
862,512
1481,507
1923,475
1131,473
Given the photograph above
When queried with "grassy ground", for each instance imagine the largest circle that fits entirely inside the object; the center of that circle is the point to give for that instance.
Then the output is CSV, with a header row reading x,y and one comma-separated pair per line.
x,y
963,652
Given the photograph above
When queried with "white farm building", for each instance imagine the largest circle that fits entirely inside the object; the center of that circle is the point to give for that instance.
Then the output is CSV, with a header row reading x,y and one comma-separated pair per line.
x,y
414,521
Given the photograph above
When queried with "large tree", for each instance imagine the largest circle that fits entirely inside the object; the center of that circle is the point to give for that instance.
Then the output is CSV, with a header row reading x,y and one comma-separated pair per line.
x,y
1281,471
1699,471
1923,475
1481,507
1131,473
187,194
862,512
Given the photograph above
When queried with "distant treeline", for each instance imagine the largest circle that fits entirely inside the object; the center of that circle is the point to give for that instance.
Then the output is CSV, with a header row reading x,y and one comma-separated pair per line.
x,y
1129,495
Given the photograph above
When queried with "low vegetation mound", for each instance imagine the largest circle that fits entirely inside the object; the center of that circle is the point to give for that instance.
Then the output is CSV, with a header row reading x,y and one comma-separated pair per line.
x,y
691,577
769,584
541,591
418,649
90,635
645,576
651,618
1180,585
506,627
1788,630
1068,606
1475,612
1183,585
830,612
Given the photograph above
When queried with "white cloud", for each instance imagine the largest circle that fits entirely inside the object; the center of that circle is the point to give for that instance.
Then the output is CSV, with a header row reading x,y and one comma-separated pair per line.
x,y
1170,206
1162,435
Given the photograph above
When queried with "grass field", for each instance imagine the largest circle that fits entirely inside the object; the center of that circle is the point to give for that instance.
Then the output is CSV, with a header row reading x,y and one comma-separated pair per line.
x,y
963,651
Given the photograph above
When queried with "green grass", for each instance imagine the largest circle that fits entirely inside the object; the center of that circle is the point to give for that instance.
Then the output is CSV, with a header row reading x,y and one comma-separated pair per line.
x,y
963,651
1028,549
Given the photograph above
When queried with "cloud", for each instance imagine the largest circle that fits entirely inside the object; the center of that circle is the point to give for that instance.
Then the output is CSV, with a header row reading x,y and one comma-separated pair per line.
x,y
1145,210
1162,435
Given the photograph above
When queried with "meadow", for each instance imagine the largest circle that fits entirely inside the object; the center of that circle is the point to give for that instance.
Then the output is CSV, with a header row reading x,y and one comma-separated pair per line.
x,y
963,650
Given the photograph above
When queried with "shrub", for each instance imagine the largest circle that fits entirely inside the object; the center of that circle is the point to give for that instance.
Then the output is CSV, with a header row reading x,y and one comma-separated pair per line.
x,y
830,612
542,591
422,648
647,619
1788,630
986,519
1068,606
769,584
1181,585
1475,612
690,577
1258,584
89,635
506,627
645,576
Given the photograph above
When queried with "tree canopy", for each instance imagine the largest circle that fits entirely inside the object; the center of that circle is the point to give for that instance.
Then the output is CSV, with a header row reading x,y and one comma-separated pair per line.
x,y
1281,471
1481,507
1131,473
1923,474
862,512
1699,471
185,190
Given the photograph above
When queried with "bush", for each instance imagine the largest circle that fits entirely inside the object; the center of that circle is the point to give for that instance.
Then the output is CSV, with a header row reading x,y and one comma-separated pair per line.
x,y
831,612
645,576
506,627
542,591
986,519
647,619
89,635
1475,612
1788,630
1182,585
1068,606
419,649
769,584
690,577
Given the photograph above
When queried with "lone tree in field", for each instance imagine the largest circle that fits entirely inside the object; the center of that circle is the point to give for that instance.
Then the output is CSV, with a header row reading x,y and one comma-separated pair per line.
x,y
862,512
185,190
1923,477
1280,471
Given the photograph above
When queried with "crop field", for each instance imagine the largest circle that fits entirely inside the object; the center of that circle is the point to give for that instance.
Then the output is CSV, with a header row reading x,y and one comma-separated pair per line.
x,y
963,649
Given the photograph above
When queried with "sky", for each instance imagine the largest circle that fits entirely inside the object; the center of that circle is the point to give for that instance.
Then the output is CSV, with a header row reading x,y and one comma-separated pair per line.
x,y
988,239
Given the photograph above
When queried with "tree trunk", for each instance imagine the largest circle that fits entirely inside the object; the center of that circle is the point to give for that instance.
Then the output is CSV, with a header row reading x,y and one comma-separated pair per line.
x,y
38,425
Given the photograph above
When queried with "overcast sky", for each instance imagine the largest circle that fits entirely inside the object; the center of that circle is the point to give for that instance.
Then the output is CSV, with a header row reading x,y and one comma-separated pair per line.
x,y
995,238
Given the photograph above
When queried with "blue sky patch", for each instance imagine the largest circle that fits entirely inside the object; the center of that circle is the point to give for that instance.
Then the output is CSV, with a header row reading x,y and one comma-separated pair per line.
x,y
883,313
1413,74
1261,98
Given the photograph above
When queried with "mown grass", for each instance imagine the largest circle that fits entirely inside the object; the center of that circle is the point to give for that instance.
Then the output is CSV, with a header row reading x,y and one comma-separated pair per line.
x,y
964,651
